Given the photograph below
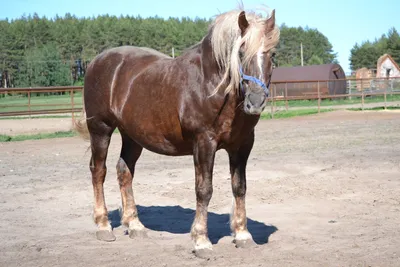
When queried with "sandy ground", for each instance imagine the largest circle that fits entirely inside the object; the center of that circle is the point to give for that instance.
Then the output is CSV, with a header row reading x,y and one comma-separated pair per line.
x,y
323,190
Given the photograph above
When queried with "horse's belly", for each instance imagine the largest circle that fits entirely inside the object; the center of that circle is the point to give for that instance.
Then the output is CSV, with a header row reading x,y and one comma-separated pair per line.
x,y
158,141
166,147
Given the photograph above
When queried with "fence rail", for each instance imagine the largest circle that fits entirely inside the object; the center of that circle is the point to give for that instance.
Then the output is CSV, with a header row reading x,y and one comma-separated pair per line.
x,y
22,101
49,89
41,112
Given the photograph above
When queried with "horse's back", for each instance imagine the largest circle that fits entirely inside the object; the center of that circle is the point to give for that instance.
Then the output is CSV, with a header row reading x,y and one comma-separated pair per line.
x,y
109,61
110,74
131,50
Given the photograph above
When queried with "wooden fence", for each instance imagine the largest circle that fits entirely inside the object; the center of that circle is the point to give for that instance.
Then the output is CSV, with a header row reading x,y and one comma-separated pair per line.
x,y
7,95
355,88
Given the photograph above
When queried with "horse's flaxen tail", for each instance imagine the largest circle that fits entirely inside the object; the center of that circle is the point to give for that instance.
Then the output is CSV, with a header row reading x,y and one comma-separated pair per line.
x,y
80,125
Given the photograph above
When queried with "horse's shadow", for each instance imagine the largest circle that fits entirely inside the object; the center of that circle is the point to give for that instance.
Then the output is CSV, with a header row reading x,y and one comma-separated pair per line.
x,y
178,220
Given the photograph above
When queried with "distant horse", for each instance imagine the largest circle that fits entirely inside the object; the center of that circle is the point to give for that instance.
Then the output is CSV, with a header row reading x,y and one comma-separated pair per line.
x,y
207,99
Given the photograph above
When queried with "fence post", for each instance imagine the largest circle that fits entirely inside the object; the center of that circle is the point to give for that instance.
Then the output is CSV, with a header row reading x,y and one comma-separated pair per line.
x,y
29,103
72,106
349,92
319,98
274,94
286,98
362,94
272,104
384,95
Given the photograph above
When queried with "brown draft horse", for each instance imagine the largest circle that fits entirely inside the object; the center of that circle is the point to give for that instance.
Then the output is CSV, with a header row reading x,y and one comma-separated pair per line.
x,y
207,99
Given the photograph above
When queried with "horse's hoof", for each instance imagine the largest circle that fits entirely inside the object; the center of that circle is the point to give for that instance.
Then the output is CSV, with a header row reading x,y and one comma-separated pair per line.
x,y
137,233
245,243
203,253
105,235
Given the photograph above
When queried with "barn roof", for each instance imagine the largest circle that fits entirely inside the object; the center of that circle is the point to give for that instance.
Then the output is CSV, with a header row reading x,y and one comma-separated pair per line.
x,y
307,73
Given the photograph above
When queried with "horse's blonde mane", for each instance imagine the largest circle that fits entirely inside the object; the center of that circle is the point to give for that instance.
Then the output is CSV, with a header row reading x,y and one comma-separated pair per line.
x,y
226,40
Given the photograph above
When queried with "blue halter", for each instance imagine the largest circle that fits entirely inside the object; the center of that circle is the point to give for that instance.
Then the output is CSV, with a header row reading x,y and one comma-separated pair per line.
x,y
244,77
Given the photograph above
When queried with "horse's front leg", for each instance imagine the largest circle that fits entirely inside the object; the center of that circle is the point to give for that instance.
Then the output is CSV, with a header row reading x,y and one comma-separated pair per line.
x,y
203,155
238,161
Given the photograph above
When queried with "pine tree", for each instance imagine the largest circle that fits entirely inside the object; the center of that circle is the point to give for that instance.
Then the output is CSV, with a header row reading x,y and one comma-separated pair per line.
x,y
43,67
367,54
393,44
316,47
38,51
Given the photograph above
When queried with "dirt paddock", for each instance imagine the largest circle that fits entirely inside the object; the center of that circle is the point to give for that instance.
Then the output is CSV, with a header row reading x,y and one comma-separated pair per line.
x,y
323,190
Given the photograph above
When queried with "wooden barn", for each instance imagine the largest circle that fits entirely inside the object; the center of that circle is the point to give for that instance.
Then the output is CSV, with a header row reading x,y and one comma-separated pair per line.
x,y
363,77
303,80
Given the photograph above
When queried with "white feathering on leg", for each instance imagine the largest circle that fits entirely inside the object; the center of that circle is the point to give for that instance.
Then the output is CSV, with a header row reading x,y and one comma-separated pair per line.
x,y
232,214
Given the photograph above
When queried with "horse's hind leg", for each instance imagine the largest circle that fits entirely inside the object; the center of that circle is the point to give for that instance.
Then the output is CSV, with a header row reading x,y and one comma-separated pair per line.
x,y
100,136
130,153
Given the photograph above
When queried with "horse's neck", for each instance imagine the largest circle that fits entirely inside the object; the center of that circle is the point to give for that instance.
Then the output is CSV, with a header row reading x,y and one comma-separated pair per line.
x,y
212,72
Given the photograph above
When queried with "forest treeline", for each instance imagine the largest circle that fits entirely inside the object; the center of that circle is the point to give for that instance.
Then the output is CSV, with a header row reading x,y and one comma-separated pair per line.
x,y
37,51
367,53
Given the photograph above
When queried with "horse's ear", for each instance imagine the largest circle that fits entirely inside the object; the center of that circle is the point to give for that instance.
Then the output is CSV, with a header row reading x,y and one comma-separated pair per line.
x,y
243,23
270,25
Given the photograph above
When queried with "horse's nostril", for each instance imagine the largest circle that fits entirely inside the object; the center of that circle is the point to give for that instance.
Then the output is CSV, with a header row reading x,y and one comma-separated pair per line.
x,y
248,106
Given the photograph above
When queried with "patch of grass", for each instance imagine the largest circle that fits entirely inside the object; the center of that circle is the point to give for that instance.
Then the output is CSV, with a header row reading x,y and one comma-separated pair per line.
x,y
38,117
293,113
333,102
5,138
374,108
24,137
39,136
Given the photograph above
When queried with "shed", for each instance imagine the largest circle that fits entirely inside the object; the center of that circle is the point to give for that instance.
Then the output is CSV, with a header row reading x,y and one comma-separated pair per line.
x,y
303,80
387,67
364,77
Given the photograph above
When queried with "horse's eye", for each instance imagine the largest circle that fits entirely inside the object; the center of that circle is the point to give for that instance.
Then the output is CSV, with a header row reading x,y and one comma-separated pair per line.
x,y
273,60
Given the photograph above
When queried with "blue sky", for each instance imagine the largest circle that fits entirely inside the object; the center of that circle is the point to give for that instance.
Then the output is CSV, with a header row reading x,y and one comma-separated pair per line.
x,y
344,22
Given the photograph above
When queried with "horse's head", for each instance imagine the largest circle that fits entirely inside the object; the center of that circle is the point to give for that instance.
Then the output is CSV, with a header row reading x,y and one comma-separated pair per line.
x,y
243,45
256,69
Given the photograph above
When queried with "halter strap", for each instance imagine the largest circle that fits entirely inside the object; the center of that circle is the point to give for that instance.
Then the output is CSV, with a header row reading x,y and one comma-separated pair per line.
x,y
244,77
